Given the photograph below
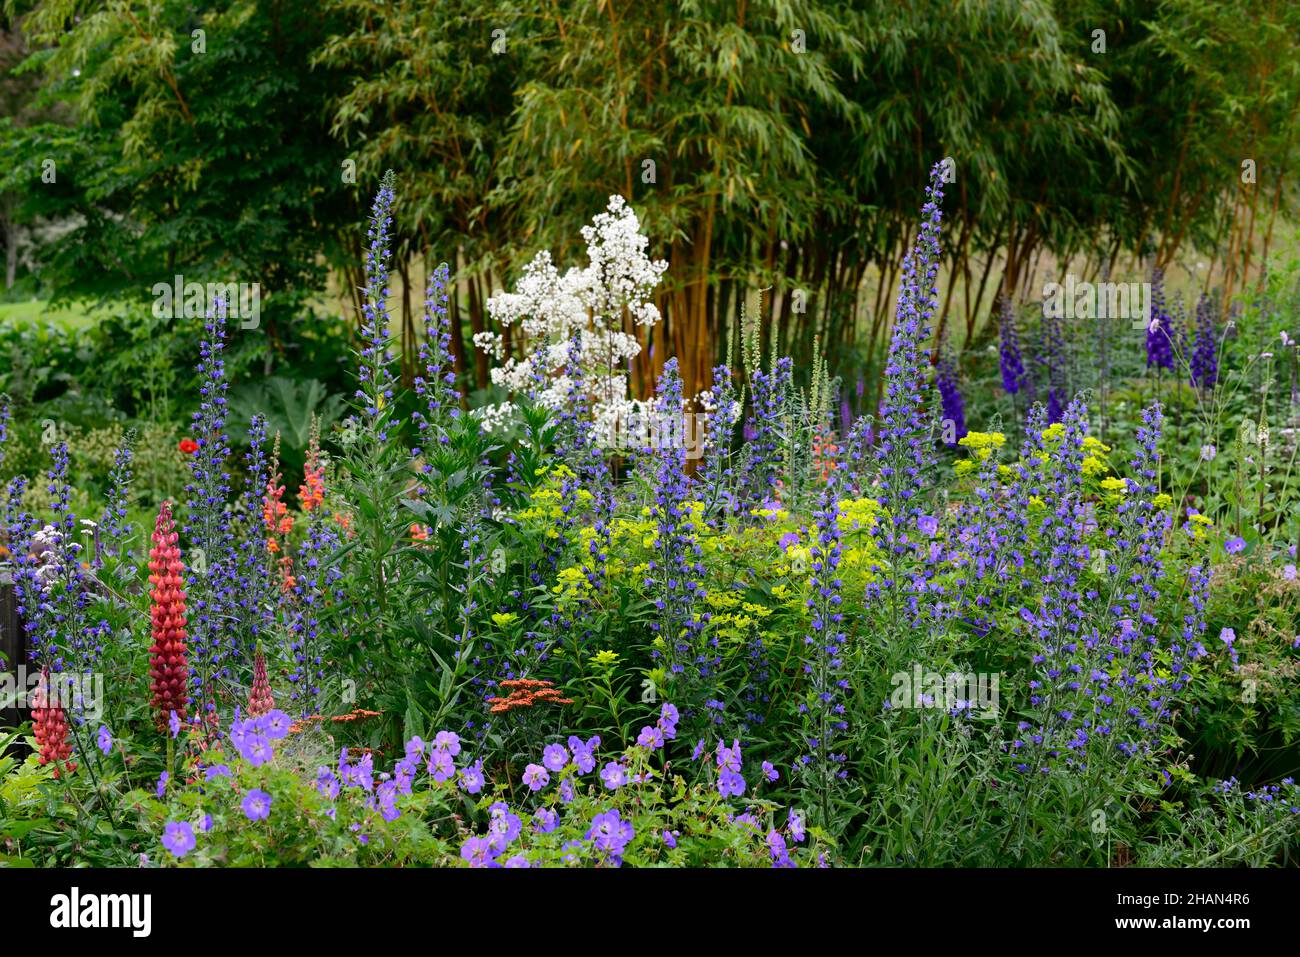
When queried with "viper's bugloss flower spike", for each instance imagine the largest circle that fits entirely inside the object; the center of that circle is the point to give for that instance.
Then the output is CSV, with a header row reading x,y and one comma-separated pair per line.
x,y
675,574
902,448
438,383
168,665
823,708
6,412
210,525
114,526
375,373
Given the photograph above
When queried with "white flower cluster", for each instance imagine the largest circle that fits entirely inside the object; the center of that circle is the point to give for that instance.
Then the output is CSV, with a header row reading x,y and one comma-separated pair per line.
x,y
548,308
46,547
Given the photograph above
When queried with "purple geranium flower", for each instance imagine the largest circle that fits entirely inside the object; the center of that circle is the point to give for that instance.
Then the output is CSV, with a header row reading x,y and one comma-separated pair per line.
x,y
471,778
178,837
478,852
651,738
441,765
256,805
614,775
275,725
555,757
536,777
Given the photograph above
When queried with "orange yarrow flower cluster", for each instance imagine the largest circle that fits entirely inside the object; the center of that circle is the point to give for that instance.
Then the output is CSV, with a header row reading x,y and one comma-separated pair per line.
x,y
525,693
357,715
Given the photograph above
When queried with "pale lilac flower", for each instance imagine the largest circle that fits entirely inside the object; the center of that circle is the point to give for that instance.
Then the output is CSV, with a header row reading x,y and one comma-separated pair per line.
x,y
441,766
796,826
614,775
536,777
555,757
652,738
545,821
471,778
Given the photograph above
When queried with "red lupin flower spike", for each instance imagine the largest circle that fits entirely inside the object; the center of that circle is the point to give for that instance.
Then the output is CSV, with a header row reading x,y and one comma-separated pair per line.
x,y
50,725
169,670
259,698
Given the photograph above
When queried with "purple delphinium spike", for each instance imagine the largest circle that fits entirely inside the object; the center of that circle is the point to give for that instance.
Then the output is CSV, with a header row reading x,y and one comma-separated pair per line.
x,y
953,405
1204,364
1053,360
1009,359
1160,351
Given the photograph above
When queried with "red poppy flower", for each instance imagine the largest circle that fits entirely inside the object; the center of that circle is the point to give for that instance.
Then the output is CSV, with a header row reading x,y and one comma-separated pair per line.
x,y
189,446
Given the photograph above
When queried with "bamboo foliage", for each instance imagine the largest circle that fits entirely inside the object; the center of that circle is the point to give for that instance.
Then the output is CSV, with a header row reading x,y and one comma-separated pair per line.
x,y
780,145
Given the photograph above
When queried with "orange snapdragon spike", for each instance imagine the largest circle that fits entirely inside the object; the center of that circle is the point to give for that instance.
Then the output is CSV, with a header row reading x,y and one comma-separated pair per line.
x,y
312,491
272,507
824,451
169,670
